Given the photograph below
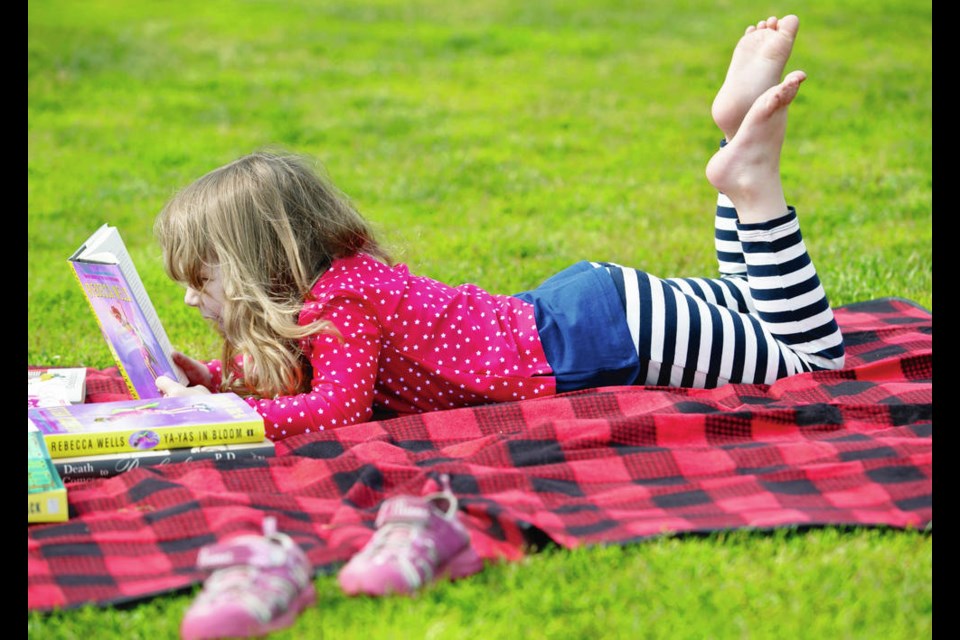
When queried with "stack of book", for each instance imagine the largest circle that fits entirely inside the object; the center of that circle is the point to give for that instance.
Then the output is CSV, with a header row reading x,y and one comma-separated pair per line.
x,y
98,440
85,441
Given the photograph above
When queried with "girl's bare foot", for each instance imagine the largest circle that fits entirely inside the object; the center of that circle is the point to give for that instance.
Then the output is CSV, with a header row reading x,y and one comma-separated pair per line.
x,y
757,63
747,170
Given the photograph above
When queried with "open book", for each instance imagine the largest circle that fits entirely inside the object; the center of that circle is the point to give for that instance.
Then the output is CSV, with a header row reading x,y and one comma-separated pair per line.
x,y
123,310
56,386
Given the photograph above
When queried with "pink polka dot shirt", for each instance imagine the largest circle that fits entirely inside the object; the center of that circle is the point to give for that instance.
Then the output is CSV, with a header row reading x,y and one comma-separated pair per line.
x,y
407,344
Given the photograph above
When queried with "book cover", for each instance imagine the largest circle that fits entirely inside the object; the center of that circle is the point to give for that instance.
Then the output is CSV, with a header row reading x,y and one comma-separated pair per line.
x,y
56,386
142,425
122,308
85,468
46,494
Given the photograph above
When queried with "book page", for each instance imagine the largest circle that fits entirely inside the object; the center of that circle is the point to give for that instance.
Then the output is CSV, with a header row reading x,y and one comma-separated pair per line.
x,y
56,383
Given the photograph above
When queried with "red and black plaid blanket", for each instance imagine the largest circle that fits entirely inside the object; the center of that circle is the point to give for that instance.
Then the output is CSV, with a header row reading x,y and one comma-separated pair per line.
x,y
611,466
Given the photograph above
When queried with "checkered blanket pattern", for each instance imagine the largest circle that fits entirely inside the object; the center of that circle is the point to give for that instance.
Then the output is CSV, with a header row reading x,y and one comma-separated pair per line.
x,y
610,466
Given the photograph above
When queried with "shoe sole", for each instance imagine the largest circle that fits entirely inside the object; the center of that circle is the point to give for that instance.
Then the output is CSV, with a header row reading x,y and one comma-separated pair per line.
x,y
465,563
306,597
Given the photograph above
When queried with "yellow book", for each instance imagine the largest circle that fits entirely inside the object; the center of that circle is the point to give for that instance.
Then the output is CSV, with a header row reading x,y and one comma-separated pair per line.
x,y
46,495
144,425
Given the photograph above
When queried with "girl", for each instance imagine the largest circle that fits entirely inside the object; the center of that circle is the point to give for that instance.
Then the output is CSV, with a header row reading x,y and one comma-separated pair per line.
x,y
320,326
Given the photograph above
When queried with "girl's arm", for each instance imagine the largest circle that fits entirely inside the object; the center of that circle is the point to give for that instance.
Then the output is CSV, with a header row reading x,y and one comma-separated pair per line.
x,y
197,372
345,368
202,377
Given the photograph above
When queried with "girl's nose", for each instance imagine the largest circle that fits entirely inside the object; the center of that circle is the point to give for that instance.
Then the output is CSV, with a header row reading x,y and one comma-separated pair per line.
x,y
191,297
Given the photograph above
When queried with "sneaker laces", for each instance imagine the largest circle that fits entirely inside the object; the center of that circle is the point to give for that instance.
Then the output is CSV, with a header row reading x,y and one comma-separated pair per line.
x,y
390,533
445,494
393,539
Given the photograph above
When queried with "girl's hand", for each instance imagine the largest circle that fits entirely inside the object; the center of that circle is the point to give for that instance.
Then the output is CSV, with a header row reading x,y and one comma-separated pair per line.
x,y
197,372
171,388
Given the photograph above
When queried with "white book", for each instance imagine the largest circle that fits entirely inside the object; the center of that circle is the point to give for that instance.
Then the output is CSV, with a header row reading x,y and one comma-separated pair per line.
x,y
56,386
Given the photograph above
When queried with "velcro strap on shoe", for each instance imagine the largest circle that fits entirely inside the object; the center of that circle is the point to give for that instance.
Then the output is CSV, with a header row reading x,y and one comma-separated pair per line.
x,y
403,509
254,551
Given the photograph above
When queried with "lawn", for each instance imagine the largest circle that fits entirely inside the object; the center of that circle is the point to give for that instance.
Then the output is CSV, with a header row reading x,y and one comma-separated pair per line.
x,y
496,142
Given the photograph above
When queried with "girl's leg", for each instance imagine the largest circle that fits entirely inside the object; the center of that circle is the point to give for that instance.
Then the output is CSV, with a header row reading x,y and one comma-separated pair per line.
x,y
784,286
730,259
756,65
685,340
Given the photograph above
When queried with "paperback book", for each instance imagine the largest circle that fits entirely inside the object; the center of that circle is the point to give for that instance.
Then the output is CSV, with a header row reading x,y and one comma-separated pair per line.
x,y
56,386
142,425
85,468
46,494
122,308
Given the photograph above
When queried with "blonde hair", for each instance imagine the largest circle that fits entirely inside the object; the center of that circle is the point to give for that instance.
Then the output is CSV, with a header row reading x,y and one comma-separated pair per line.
x,y
273,224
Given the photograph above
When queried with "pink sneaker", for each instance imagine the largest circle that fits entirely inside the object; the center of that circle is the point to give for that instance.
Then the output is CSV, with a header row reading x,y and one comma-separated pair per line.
x,y
259,584
417,540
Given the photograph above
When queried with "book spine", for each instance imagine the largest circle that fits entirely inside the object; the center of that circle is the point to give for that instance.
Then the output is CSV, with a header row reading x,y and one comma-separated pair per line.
x,y
64,445
46,494
105,466
113,351
47,506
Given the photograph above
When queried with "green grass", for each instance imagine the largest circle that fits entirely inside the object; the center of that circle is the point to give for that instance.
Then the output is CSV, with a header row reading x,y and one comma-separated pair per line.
x,y
864,584
496,142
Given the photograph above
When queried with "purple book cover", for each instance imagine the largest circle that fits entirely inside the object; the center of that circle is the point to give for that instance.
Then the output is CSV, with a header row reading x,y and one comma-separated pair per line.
x,y
124,326
180,411
139,425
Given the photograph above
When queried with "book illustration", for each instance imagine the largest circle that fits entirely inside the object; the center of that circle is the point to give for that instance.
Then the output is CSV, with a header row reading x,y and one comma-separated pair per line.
x,y
153,409
86,468
56,386
138,425
46,493
149,415
124,313
136,335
